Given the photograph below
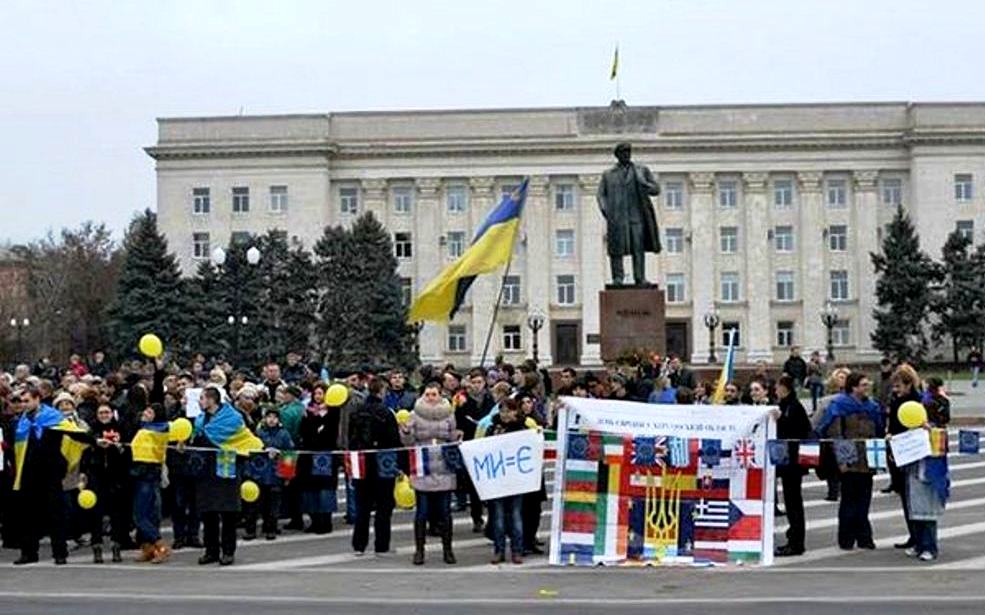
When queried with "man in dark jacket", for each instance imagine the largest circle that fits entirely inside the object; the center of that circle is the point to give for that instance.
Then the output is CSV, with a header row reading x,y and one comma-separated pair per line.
x,y
372,427
295,371
796,367
476,405
792,425
398,396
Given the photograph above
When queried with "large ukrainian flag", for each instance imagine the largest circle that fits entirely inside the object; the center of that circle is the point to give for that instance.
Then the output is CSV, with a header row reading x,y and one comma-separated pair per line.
x,y
46,418
490,249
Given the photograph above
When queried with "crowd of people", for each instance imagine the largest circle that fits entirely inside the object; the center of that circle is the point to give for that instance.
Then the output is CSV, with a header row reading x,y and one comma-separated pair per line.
x,y
89,425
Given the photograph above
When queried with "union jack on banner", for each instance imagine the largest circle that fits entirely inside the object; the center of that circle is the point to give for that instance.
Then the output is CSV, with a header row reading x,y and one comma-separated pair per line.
x,y
745,453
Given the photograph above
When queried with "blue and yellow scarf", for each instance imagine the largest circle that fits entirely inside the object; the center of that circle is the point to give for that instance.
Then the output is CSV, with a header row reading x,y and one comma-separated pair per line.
x,y
228,431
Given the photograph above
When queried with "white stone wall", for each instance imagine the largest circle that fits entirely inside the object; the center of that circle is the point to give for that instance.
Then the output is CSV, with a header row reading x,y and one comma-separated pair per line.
x,y
864,144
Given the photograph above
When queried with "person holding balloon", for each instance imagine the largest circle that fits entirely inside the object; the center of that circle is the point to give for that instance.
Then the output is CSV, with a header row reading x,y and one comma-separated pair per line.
x,y
906,385
148,448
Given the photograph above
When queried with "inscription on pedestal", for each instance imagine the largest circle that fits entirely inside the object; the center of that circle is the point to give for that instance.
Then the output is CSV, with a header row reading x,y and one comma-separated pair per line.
x,y
632,318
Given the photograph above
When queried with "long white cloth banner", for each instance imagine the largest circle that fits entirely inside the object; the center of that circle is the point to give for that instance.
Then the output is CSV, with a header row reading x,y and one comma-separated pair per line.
x,y
510,464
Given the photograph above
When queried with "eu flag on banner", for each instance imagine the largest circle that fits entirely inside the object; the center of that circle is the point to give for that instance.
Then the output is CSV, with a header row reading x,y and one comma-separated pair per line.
x,y
321,464
779,452
711,452
452,458
260,469
969,442
845,452
225,463
195,465
645,451
386,464
680,452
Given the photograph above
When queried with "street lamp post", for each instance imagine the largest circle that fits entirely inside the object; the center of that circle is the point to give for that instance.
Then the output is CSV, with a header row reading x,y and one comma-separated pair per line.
x,y
19,326
829,318
712,320
218,259
416,328
536,322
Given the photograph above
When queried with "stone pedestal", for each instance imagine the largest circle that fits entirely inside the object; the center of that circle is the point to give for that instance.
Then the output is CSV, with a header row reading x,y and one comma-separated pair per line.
x,y
632,318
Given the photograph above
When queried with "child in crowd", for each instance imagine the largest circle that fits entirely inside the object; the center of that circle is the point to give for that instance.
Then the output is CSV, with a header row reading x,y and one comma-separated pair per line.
x,y
275,439
506,513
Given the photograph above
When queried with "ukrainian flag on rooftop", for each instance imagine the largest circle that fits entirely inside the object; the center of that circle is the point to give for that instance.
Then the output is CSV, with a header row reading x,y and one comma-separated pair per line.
x,y
490,248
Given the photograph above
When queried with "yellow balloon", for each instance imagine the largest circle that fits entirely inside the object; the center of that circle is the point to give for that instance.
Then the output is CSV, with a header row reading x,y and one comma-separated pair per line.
x,y
87,499
150,346
912,414
249,491
403,416
530,423
336,395
403,493
179,430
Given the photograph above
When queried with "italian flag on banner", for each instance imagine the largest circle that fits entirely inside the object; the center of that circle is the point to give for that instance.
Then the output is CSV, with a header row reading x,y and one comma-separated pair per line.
x,y
355,465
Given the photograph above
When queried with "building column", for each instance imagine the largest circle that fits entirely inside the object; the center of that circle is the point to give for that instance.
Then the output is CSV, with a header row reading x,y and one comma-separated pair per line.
x,y
427,260
758,270
866,234
701,245
537,277
810,243
485,288
374,198
591,234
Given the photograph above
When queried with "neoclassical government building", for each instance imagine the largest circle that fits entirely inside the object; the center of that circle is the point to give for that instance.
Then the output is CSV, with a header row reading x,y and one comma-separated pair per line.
x,y
767,212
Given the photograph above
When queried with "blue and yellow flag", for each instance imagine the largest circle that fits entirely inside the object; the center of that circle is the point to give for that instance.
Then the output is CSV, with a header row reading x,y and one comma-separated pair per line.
x,y
491,248
45,418
227,431
150,444
727,371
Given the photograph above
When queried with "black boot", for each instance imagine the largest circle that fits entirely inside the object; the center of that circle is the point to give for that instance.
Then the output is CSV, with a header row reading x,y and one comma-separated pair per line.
x,y
449,556
97,554
420,535
117,556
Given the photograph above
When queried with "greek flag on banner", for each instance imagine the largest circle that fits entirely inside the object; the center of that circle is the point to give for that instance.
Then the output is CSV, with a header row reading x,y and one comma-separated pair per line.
x,y
680,454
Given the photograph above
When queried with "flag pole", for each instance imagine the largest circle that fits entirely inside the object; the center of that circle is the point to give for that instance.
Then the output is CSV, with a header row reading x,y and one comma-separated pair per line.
x,y
495,314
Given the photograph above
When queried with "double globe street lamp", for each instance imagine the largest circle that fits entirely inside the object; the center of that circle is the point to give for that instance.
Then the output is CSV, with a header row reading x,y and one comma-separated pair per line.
x,y
712,320
535,321
218,258
829,318
19,326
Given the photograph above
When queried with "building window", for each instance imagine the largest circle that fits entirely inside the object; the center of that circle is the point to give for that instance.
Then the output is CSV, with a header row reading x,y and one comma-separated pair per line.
x,y
406,292
839,285
456,243
674,195
457,197
966,228
241,200
403,198
511,338
783,238
964,187
565,290
240,238
564,197
674,238
841,333
403,247
728,239
892,191
564,243
511,290
456,338
675,288
784,333
349,201
278,199
728,193
783,193
730,286
201,201
838,237
837,192
784,286
730,334
200,245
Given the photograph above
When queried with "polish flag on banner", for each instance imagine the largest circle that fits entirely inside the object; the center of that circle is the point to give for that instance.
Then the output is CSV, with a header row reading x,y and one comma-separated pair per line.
x,y
419,462
355,465
809,455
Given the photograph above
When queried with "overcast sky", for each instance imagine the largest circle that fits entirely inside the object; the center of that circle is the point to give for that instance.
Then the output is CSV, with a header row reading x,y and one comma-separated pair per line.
x,y
81,83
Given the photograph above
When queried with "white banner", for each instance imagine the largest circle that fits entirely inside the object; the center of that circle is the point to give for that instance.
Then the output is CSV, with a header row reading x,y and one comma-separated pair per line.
x,y
510,464
910,446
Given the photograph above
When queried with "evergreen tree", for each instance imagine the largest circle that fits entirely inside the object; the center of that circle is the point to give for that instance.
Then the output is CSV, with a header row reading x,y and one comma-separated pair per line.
x,y
903,292
960,302
149,293
361,316
288,298
206,311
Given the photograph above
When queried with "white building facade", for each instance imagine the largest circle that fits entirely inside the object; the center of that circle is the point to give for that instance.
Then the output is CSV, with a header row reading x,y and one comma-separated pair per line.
x,y
767,212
